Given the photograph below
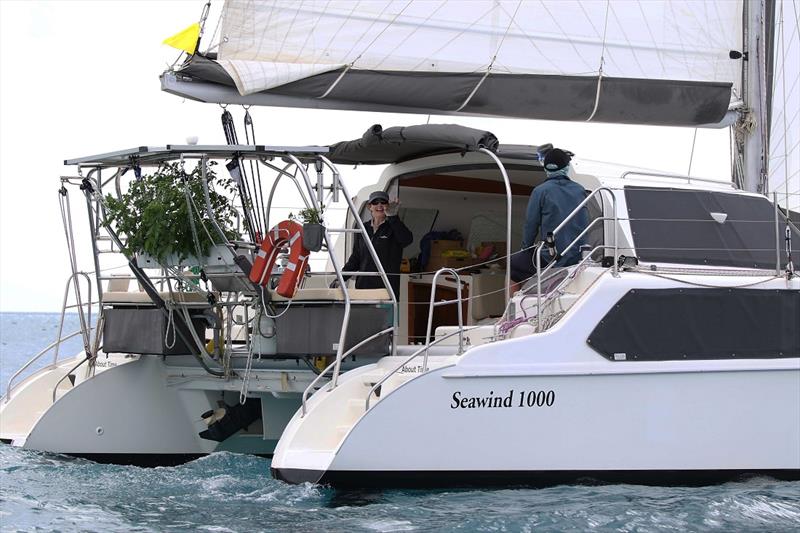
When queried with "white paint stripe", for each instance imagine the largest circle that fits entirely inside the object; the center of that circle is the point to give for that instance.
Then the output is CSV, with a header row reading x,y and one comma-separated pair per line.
x,y
294,238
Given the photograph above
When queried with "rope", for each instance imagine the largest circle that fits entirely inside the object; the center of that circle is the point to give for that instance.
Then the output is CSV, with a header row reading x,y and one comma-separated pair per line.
x,y
259,198
600,70
353,62
242,183
491,63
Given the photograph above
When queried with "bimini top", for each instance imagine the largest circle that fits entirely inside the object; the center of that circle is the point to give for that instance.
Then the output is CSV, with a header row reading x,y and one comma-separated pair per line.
x,y
660,62
380,146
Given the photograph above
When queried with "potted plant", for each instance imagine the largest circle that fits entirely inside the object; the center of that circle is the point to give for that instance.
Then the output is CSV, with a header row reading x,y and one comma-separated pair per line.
x,y
154,214
313,230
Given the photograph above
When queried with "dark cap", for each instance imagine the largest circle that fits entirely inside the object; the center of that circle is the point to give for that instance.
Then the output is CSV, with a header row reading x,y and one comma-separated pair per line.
x,y
556,159
378,195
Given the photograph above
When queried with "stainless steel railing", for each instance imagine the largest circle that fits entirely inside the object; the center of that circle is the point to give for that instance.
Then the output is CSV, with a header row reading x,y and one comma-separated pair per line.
x,y
537,251
335,364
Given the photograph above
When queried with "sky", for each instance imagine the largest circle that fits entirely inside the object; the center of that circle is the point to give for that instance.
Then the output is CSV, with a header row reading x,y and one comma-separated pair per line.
x,y
81,78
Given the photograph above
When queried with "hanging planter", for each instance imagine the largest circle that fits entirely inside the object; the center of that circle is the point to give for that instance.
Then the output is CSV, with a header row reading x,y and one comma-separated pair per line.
x,y
313,230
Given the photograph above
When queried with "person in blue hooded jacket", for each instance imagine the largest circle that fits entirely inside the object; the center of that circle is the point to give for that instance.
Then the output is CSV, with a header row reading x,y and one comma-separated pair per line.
x,y
549,205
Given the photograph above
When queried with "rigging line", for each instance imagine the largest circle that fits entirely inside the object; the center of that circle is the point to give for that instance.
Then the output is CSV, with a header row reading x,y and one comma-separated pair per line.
x,y
783,80
203,18
653,38
244,192
565,34
782,160
600,70
352,63
258,194
625,36
681,43
375,20
597,33
783,111
691,156
539,52
494,58
450,41
411,34
211,45
786,182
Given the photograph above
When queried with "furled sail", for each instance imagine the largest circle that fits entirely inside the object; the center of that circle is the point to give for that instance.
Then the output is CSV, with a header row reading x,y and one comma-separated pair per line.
x,y
642,62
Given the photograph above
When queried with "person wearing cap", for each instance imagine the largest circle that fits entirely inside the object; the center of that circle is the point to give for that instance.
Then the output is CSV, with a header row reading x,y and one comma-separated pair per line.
x,y
389,236
549,205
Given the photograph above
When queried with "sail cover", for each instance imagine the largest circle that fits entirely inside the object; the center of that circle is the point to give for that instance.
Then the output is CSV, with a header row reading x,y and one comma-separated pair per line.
x,y
380,146
627,61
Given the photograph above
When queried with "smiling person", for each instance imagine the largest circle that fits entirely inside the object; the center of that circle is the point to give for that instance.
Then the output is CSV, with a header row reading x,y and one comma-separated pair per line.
x,y
389,236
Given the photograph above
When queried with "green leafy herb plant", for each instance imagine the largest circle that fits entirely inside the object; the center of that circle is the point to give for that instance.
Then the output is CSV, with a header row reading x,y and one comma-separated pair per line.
x,y
154,214
310,215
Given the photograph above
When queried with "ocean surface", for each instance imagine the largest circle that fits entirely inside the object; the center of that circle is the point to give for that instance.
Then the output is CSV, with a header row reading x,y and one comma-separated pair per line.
x,y
227,492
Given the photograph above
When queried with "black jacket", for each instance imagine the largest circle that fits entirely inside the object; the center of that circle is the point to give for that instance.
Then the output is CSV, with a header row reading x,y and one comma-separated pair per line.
x,y
390,239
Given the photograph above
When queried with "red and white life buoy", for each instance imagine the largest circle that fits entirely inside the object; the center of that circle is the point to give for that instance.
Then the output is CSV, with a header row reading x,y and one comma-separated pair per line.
x,y
287,232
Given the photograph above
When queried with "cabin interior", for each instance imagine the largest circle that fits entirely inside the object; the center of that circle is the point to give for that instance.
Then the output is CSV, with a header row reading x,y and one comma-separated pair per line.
x,y
459,215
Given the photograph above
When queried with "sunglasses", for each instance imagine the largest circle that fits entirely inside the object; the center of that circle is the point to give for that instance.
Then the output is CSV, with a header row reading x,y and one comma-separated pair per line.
x,y
379,202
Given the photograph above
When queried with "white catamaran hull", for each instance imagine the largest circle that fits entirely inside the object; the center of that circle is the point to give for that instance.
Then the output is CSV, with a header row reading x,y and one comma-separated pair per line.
x,y
142,410
567,423
547,407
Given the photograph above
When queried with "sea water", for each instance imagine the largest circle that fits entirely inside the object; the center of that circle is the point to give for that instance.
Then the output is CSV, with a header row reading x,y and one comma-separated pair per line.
x,y
229,492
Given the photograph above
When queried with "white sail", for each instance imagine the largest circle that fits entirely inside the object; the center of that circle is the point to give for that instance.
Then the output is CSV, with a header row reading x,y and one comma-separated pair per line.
x,y
784,147
681,40
648,62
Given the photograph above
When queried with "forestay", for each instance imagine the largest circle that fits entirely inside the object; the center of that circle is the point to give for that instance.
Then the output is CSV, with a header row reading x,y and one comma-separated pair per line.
x,y
653,62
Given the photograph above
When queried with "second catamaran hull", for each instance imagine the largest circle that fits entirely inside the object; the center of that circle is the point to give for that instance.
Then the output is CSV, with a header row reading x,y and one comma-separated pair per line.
x,y
638,424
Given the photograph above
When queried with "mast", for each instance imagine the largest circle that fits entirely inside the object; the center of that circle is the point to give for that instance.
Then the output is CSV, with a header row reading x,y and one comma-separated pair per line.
x,y
752,127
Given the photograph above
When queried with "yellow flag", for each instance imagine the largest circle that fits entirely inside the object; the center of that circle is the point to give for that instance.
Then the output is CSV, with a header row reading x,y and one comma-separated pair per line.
x,y
185,40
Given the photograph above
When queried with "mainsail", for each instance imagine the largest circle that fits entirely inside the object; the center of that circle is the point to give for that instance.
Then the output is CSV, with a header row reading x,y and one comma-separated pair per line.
x,y
662,62
784,147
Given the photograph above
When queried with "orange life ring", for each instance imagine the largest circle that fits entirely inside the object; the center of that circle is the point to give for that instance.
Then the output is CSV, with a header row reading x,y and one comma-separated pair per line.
x,y
286,232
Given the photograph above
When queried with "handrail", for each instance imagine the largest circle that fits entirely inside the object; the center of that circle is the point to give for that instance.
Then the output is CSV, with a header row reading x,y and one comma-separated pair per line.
x,y
408,360
80,305
347,304
337,181
507,184
67,373
337,360
689,179
35,358
430,314
281,173
537,251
